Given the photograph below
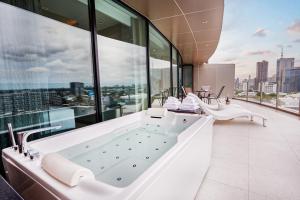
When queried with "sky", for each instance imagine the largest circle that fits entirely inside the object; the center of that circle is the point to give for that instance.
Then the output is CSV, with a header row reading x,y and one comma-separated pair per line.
x,y
39,52
36,51
255,30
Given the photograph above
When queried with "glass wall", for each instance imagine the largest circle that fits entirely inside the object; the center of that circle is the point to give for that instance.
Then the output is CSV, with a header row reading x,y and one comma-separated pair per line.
x,y
46,74
174,72
46,68
160,70
180,82
122,59
187,77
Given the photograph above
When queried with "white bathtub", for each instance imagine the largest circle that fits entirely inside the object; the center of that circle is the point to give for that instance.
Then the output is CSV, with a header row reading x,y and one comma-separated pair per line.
x,y
175,174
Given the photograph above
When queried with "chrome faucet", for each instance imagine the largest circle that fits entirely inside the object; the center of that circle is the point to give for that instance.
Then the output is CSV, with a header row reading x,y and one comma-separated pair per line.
x,y
11,136
22,139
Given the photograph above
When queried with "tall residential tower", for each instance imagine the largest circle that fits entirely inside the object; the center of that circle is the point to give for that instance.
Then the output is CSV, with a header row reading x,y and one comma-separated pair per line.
x,y
261,72
283,64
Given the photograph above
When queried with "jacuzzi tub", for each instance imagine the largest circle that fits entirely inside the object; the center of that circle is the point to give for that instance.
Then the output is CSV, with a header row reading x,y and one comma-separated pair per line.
x,y
133,157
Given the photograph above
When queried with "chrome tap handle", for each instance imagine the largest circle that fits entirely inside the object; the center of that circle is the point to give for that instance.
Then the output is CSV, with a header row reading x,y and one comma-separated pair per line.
x,y
33,154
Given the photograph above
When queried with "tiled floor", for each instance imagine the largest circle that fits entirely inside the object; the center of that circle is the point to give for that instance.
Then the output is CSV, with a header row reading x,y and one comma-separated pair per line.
x,y
250,162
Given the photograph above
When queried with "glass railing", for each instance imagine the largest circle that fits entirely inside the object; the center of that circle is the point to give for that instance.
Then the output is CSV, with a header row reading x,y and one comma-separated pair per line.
x,y
268,94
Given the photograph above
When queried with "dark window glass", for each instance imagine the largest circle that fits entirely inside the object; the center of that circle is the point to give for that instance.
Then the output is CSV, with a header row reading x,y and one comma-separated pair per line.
x,y
187,75
159,67
122,59
46,74
180,74
174,72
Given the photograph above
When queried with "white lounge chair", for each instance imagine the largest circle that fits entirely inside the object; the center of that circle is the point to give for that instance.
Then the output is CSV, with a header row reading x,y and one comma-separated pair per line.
x,y
227,112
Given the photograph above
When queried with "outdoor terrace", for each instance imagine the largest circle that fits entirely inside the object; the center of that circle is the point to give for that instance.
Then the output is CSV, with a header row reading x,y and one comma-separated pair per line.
x,y
251,162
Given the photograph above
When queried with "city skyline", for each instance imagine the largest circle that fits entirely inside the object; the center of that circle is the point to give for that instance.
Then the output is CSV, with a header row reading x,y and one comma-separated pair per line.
x,y
248,37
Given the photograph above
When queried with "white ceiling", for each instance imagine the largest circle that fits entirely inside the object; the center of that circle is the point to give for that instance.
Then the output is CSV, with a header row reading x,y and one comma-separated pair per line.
x,y
193,26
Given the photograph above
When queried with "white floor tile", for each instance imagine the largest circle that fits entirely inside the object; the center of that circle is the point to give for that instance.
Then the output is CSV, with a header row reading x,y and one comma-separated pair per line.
x,y
252,162
255,196
272,184
229,173
212,190
275,156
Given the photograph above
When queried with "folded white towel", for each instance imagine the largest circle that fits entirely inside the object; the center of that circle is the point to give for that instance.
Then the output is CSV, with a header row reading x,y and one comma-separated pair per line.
x,y
189,100
190,104
171,106
188,107
173,100
64,170
172,103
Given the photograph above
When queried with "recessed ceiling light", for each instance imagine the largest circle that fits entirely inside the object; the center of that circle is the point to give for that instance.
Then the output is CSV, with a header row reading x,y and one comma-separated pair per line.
x,y
204,22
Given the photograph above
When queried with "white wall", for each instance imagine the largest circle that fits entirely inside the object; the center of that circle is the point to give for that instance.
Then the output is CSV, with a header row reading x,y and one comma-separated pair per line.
x,y
215,75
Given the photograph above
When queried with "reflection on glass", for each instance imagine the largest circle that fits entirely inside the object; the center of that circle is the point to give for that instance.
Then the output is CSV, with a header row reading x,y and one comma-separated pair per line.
x,y
45,66
159,67
180,75
187,76
122,60
174,72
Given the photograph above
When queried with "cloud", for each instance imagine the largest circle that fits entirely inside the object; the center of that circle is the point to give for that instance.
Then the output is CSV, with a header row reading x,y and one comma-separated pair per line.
x,y
28,52
284,46
261,32
297,41
37,69
280,46
229,60
255,53
295,27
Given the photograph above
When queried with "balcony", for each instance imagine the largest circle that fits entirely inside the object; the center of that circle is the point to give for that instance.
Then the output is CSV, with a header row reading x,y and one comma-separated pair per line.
x,y
267,94
117,59
250,162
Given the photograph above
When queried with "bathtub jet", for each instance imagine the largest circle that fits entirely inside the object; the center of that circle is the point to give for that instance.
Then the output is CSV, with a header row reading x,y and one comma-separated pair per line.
x,y
152,154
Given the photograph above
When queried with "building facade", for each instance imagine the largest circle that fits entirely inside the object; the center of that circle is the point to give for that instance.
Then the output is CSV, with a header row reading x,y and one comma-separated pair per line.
x,y
269,87
261,72
283,64
292,80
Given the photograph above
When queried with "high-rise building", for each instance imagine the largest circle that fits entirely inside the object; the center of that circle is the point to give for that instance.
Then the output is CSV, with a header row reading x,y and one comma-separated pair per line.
x,y
261,72
24,101
292,80
77,88
283,64
236,83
